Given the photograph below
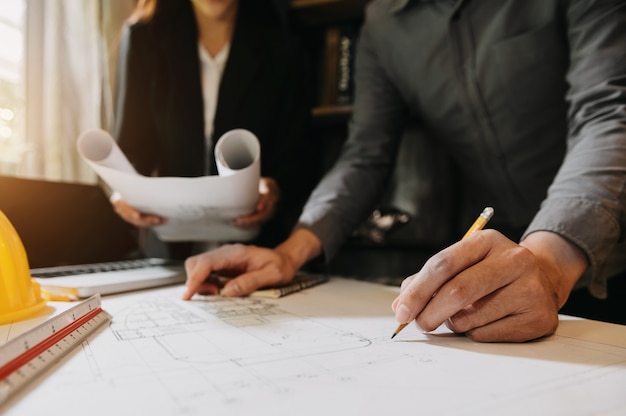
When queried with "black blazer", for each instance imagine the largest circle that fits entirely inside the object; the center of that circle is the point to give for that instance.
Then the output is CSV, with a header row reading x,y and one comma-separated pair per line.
x,y
265,89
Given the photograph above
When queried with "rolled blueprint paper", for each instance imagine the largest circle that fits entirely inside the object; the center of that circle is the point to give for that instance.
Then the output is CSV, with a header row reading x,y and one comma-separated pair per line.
x,y
197,209
236,150
98,147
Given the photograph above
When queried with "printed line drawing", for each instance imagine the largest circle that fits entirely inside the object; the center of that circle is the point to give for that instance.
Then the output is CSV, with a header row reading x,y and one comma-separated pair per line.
x,y
313,352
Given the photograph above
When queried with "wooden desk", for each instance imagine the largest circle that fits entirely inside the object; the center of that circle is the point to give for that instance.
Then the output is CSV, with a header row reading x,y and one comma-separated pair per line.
x,y
326,350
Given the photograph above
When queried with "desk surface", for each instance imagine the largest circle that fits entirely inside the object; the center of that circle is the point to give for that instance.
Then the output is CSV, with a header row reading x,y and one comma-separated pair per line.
x,y
323,350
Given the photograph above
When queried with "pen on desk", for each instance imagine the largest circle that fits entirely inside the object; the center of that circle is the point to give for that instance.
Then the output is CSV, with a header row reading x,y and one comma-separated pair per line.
x,y
479,224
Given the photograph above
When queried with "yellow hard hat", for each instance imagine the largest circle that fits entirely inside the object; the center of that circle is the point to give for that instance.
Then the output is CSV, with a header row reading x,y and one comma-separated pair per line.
x,y
20,295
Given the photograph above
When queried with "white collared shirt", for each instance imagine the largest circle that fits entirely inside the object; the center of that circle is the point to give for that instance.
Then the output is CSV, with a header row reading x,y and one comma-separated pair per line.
x,y
212,69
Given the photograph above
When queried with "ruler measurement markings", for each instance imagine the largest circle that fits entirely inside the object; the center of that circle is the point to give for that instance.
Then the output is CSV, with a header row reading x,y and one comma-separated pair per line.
x,y
30,354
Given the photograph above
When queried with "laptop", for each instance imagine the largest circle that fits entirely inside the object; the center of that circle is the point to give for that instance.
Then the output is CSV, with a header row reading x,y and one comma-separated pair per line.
x,y
84,280
75,243
62,223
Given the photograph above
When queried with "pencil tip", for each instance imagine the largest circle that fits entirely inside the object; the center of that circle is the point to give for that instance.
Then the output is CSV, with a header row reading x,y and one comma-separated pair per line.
x,y
394,334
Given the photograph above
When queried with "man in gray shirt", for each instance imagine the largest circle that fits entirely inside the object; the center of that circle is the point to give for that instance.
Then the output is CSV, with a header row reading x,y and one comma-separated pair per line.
x,y
529,99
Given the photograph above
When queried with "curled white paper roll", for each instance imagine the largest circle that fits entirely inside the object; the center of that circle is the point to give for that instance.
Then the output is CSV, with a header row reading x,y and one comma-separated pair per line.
x,y
236,150
98,147
196,209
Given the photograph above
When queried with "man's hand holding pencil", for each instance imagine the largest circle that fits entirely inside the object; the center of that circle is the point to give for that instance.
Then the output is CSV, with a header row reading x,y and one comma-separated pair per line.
x,y
493,289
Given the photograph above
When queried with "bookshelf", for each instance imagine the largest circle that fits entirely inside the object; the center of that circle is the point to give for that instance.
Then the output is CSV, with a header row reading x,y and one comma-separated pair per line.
x,y
323,25
330,114
322,12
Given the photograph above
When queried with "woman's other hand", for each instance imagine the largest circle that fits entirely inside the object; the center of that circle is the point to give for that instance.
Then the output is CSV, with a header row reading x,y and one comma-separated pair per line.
x,y
133,216
269,195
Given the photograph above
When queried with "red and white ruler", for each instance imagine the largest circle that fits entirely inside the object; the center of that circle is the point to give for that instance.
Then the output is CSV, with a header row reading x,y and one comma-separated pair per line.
x,y
30,354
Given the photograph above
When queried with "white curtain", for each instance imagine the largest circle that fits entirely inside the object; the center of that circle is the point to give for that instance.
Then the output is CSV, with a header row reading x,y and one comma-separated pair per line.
x,y
70,60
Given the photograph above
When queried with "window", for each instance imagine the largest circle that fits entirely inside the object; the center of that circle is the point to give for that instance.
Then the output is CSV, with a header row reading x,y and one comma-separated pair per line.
x,y
56,62
12,91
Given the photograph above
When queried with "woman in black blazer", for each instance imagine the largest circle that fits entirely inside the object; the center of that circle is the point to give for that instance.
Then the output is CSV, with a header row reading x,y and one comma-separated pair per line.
x,y
161,123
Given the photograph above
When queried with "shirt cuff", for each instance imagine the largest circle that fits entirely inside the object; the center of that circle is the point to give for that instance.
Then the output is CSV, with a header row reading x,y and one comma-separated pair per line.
x,y
586,225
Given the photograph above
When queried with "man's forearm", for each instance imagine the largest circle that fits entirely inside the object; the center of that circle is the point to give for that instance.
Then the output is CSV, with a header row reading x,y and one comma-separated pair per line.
x,y
301,246
563,261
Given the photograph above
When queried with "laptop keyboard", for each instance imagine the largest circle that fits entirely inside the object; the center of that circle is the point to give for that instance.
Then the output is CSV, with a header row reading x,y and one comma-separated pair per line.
x,y
101,267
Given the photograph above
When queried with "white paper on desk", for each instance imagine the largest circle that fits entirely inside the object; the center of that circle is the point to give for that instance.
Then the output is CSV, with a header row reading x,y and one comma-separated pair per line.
x,y
323,351
197,209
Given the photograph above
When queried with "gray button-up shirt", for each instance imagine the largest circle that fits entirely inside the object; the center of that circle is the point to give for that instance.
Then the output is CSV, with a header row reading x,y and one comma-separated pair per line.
x,y
528,97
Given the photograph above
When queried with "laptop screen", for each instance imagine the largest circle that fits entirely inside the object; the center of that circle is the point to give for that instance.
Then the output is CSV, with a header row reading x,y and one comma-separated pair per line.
x,y
63,223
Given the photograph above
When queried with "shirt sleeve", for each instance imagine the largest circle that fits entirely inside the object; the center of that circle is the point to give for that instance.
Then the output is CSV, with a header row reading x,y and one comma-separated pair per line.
x,y
586,201
349,191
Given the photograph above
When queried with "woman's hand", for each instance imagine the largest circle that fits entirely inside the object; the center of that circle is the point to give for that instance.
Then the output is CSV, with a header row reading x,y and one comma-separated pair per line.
x,y
265,206
131,215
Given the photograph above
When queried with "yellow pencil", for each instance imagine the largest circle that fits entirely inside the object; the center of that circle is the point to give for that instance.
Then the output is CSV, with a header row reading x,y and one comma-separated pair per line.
x,y
479,224
59,296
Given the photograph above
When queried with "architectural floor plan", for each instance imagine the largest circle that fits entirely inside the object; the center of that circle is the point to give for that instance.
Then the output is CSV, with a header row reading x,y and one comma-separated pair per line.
x,y
323,350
